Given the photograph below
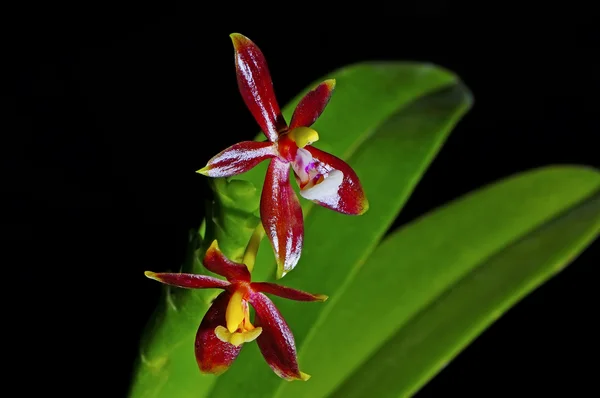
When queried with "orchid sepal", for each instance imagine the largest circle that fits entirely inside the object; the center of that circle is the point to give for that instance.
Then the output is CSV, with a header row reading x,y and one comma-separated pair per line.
x,y
256,87
187,281
281,216
238,158
276,341
312,105
215,261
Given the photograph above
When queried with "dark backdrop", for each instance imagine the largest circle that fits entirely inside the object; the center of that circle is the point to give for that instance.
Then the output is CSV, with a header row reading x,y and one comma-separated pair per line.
x,y
112,107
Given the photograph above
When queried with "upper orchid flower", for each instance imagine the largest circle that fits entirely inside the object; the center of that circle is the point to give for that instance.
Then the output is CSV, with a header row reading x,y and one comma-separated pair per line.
x,y
226,325
322,177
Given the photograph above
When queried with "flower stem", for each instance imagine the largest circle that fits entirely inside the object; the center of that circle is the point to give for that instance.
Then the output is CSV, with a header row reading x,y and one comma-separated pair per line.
x,y
252,248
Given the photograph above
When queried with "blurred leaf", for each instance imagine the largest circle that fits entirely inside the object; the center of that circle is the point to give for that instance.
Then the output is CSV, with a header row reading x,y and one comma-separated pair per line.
x,y
388,120
435,284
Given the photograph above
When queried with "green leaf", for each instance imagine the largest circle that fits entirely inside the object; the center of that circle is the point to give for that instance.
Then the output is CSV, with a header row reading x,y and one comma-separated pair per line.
x,y
388,120
390,163
434,285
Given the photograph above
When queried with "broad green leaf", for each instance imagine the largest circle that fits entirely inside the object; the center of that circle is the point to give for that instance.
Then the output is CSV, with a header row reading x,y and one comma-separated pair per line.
x,y
390,164
433,285
388,120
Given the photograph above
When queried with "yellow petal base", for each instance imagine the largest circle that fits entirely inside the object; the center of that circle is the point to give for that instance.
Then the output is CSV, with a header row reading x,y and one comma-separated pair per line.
x,y
237,338
303,136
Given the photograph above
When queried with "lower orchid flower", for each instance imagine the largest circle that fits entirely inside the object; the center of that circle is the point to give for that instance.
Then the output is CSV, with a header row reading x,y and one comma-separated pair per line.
x,y
226,326
322,177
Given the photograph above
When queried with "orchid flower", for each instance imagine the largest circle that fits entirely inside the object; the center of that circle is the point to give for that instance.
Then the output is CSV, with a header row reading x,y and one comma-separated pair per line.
x,y
322,177
226,326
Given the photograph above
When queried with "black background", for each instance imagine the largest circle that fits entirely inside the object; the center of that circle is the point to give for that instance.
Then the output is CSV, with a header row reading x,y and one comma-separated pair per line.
x,y
112,107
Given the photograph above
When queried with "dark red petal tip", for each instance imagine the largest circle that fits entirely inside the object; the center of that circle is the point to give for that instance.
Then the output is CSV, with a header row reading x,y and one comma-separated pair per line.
x,y
286,292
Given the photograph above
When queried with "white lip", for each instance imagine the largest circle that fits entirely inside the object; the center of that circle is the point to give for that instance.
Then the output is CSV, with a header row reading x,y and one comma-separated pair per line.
x,y
327,190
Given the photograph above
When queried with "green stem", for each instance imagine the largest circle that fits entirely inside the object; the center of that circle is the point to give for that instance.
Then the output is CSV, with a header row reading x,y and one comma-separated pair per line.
x,y
252,248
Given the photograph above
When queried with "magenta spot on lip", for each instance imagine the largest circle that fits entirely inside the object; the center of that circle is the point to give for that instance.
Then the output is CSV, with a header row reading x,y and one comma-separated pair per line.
x,y
309,166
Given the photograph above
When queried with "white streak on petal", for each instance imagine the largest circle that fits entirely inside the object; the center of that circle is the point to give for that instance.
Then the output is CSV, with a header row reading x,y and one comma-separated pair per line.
x,y
326,191
293,252
239,156
273,234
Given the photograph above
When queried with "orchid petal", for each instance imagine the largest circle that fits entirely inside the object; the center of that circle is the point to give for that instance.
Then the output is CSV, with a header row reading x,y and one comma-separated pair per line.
x,y
256,87
190,281
339,190
312,105
276,341
286,292
215,261
213,355
281,216
238,159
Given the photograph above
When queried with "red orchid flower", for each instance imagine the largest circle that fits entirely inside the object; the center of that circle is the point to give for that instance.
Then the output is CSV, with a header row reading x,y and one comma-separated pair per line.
x,y
322,177
226,325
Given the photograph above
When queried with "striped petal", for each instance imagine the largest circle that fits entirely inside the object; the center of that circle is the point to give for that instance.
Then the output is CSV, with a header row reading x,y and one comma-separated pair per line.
x,y
281,216
286,292
256,87
189,281
238,159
